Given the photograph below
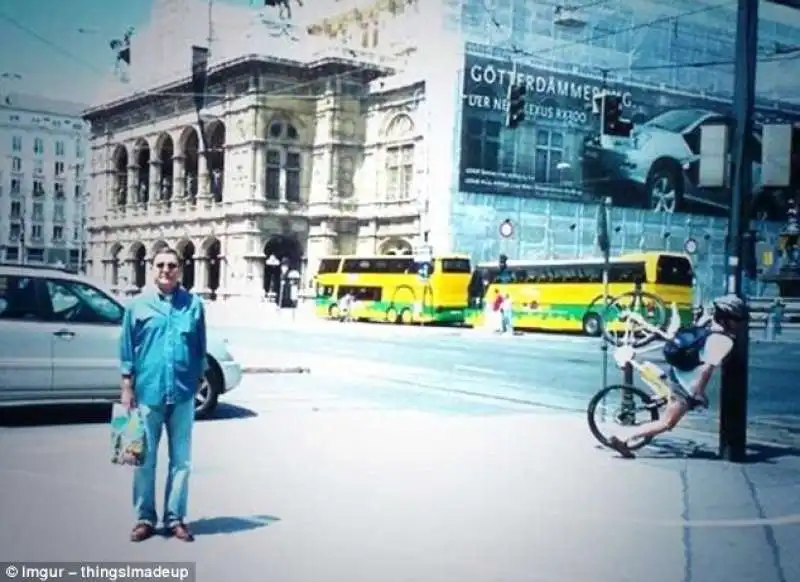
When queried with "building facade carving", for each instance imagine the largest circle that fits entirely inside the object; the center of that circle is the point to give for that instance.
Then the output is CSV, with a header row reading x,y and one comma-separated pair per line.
x,y
320,165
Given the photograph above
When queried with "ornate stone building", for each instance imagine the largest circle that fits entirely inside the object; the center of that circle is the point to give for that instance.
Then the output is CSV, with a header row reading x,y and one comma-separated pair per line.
x,y
300,160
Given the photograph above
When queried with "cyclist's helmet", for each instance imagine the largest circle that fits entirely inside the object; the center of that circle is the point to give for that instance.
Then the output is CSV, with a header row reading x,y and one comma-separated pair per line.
x,y
729,308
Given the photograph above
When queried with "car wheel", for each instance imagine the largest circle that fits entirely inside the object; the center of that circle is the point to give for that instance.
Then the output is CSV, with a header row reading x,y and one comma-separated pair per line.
x,y
665,187
207,397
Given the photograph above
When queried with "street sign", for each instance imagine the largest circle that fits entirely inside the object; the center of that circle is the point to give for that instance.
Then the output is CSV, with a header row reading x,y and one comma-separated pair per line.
x,y
424,271
690,246
423,254
506,228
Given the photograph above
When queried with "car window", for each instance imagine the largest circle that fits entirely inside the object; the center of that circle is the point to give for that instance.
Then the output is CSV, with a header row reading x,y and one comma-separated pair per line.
x,y
18,298
677,120
77,302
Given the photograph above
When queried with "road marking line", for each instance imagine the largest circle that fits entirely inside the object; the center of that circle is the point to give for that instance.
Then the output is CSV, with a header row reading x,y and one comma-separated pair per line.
x,y
479,370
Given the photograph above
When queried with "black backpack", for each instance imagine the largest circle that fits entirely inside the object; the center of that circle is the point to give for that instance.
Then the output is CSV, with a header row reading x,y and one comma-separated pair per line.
x,y
683,350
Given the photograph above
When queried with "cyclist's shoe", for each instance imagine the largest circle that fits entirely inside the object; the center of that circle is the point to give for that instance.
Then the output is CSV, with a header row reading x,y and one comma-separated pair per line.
x,y
697,402
621,447
656,403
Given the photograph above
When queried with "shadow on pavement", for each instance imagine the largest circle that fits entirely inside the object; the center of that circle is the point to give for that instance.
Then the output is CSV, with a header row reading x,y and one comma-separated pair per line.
x,y
75,414
209,526
226,411
689,449
64,414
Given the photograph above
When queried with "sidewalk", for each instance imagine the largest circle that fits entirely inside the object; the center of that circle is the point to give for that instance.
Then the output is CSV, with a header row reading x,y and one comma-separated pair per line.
x,y
400,496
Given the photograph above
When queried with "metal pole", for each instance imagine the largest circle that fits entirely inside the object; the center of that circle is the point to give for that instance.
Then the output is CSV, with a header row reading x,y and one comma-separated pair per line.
x,y
21,255
81,217
733,394
606,296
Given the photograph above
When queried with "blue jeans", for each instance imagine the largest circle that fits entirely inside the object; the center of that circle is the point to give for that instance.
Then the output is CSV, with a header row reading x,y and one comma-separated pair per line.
x,y
178,419
506,321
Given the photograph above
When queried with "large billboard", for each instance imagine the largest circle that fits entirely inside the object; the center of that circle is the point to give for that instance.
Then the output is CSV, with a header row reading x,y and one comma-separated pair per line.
x,y
558,153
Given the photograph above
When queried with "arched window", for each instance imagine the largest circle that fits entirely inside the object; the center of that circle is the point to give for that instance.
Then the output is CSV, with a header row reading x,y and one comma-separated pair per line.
x,y
284,162
399,158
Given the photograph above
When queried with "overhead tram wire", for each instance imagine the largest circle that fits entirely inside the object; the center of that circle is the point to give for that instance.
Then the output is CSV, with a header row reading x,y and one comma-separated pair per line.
x,y
54,46
285,91
609,34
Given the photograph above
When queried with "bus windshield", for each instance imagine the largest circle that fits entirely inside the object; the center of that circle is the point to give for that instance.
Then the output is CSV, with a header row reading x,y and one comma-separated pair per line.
x,y
674,271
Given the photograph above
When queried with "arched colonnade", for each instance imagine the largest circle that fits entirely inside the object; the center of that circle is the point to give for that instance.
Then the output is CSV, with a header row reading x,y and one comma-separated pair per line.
x,y
203,264
173,166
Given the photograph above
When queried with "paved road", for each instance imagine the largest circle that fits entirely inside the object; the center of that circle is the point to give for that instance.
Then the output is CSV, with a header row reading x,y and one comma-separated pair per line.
x,y
558,372
306,478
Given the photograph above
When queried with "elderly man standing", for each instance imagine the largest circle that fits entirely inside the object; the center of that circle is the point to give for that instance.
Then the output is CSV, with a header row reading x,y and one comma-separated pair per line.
x,y
162,360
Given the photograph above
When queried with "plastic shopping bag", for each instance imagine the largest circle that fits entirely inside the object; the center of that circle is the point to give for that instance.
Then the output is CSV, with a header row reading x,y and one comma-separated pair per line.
x,y
128,439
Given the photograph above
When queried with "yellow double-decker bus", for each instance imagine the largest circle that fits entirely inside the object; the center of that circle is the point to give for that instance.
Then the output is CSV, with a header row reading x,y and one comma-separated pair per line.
x,y
390,288
567,295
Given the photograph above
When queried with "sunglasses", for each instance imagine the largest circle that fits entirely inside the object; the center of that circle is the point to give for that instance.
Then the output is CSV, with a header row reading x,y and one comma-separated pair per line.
x,y
167,266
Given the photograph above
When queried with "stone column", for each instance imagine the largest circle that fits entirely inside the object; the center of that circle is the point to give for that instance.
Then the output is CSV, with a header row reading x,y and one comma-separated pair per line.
x,y
133,186
259,178
204,177
178,173
224,274
201,274
155,185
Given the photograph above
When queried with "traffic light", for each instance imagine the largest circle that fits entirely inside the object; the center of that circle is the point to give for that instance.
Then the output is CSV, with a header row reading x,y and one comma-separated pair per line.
x,y
611,121
516,105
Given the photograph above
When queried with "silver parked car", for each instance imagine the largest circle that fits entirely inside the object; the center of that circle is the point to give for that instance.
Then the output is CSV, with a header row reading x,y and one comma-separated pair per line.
x,y
59,337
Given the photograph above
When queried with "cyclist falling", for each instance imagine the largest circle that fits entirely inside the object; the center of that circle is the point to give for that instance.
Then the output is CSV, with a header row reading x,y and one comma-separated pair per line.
x,y
713,341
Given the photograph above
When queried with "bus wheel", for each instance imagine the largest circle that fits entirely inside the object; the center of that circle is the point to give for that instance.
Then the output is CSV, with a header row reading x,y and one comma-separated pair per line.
x,y
391,315
333,312
592,324
407,316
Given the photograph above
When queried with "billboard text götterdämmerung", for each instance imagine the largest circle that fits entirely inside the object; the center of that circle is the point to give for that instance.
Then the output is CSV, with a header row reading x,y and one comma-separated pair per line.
x,y
558,153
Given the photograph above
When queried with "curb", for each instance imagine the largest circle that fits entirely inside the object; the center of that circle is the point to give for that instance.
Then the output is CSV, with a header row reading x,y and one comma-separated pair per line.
x,y
275,370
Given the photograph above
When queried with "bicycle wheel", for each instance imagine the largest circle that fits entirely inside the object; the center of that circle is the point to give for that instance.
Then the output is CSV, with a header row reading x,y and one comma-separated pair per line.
x,y
604,416
619,330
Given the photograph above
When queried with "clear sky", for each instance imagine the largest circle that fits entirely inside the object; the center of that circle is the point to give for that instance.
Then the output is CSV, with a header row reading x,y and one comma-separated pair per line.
x,y
52,55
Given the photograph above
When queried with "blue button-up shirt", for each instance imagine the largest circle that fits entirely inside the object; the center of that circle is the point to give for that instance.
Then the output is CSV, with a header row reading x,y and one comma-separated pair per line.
x,y
163,346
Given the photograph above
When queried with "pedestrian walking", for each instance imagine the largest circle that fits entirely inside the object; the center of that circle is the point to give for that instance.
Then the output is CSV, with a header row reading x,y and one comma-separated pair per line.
x,y
507,315
497,311
162,360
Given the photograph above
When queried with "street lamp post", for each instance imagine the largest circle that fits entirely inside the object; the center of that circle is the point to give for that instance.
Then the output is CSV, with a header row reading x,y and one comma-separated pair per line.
x,y
80,202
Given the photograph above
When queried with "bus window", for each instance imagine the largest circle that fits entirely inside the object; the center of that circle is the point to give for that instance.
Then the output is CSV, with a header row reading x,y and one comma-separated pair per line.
x,y
360,293
399,266
354,266
328,266
534,275
590,274
674,271
504,277
324,291
626,273
456,266
567,274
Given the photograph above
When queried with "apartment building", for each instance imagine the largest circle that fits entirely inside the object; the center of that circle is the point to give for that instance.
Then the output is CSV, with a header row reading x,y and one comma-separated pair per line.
x,y
43,145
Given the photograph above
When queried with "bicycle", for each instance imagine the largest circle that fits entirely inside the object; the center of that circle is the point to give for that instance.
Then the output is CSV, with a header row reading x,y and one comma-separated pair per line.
x,y
651,374
649,306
